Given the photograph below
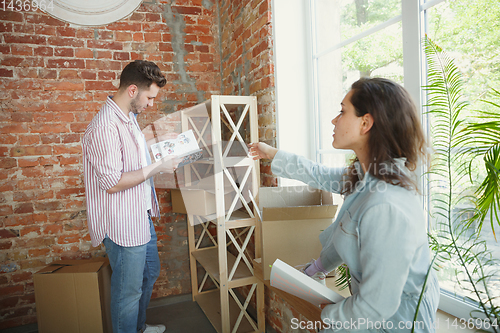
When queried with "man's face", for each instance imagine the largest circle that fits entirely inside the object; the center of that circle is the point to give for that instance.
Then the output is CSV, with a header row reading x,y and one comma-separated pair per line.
x,y
144,98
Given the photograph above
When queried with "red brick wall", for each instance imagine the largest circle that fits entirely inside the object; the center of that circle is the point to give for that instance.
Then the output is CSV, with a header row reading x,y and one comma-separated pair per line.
x,y
54,78
246,48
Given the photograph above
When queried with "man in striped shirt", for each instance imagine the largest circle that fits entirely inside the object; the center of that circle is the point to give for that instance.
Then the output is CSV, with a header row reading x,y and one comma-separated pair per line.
x,y
120,195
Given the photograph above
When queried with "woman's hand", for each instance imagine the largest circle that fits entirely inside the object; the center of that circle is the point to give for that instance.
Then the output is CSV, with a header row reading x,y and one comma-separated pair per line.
x,y
261,150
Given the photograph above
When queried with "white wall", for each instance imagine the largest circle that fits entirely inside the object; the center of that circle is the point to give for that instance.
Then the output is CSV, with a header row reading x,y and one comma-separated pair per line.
x,y
293,75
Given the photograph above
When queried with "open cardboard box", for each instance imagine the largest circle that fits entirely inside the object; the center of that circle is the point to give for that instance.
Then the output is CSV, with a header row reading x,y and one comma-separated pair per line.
x,y
74,296
199,198
292,219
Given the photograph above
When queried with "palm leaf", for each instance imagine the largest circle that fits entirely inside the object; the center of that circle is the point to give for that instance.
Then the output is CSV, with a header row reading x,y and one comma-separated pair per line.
x,y
451,169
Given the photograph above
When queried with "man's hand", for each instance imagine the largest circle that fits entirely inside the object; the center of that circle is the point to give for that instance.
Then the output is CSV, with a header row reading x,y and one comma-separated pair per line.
x,y
167,164
261,150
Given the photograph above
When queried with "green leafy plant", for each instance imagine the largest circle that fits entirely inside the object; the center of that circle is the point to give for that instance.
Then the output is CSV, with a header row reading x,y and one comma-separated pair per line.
x,y
452,240
343,280
483,141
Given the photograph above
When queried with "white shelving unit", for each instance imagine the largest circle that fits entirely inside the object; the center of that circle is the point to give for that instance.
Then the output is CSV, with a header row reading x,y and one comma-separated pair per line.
x,y
224,126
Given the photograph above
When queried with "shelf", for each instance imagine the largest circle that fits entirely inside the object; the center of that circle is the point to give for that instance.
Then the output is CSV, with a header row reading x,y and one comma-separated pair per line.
x,y
231,161
209,259
238,219
209,302
226,178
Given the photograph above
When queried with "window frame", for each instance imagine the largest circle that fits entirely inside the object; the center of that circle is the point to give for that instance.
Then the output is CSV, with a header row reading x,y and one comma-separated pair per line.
x,y
413,18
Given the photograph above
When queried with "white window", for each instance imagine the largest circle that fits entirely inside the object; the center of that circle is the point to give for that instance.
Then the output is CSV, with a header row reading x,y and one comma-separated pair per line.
x,y
348,39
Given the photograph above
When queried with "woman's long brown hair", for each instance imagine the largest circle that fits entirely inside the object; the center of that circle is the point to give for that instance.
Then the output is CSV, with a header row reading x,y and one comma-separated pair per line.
x,y
396,131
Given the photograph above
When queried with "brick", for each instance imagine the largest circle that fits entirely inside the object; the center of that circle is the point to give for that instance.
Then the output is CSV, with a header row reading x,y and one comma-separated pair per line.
x,y
69,160
186,10
104,65
88,75
12,16
31,151
27,162
136,16
138,37
31,195
150,37
99,85
107,76
38,253
123,36
24,39
48,128
66,31
5,245
23,73
22,117
45,30
64,85
71,138
105,34
48,160
104,54
6,72
8,233
68,239
43,51
202,48
7,139
43,19
22,50
206,39
68,149
13,128
53,229
85,33
125,26
23,29
5,27
104,44
5,210
48,206
70,192
17,289
28,139
121,56
12,61
68,74
84,53
33,172
152,17
198,29
66,63
24,208
5,49
48,74
64,52
62,41
33,230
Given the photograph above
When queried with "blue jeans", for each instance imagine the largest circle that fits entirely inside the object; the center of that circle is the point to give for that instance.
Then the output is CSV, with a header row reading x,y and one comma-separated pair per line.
x,y
135,270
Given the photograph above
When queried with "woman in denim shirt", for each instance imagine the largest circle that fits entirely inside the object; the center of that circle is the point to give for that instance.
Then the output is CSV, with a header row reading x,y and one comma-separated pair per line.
x,y
380,231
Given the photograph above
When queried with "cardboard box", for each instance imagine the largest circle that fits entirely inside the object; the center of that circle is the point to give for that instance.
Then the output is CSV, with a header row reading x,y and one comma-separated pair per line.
x,y
199,199
74,296
292,219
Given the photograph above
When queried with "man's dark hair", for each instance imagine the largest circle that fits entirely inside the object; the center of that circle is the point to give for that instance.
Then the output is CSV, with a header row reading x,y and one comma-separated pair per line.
x,y
143,74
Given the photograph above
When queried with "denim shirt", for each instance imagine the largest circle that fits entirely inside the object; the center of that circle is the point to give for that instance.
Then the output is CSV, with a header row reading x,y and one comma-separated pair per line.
x,y
380,234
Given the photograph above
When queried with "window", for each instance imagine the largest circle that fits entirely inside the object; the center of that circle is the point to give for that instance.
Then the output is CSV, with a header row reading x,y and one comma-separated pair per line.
x,y
355,38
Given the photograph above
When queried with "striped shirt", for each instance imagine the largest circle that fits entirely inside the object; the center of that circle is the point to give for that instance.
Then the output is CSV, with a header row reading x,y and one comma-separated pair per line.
x,y
110,148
